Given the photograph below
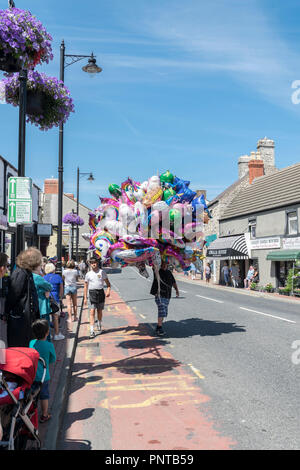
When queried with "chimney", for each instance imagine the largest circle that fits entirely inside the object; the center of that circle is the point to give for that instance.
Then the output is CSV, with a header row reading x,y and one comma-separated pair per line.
x,y
256,167
243,165
51,186
266,148
70,195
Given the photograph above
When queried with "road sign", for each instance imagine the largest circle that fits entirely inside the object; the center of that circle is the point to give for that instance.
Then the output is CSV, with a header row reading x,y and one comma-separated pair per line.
x,y
19,200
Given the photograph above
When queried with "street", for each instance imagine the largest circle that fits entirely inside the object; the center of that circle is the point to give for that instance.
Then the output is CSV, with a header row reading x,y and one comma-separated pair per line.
x,y
222,378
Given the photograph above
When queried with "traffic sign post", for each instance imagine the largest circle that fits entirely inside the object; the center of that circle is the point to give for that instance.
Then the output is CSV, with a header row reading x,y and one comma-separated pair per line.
x,y
20,200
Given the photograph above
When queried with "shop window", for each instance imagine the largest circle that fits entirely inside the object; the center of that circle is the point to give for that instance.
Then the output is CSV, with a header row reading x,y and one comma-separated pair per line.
x,y
252,228
292,223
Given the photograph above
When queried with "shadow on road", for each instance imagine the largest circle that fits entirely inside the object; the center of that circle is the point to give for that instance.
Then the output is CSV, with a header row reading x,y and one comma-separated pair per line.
x,y
198,327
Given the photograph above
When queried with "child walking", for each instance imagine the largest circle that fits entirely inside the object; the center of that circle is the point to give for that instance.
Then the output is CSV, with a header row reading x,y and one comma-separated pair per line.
x,y
94,283
46,350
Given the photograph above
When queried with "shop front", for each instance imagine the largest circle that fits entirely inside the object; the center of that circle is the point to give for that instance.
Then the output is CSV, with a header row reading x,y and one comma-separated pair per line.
x,y
230,251
284,261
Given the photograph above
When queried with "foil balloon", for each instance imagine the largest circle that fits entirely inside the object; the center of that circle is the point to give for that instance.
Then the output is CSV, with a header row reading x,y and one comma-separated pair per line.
x,y
115,190
153,195
168,193
154,182
167,177
141,221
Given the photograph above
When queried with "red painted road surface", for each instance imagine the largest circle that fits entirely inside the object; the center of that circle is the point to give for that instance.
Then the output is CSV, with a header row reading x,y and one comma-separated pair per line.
x,y
128,392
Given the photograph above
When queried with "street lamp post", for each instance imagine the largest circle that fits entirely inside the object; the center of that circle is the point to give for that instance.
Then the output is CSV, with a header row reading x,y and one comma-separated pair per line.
x,y
90,178
91,68
21,151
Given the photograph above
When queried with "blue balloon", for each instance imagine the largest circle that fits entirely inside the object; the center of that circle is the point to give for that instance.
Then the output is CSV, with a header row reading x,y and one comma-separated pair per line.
x,y
180,185
186,196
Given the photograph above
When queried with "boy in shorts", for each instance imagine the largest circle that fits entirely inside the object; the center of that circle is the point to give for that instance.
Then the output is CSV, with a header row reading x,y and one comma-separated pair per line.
x,y
93,285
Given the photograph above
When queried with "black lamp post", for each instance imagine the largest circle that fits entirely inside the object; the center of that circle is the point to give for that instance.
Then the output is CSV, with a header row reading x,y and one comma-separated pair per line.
x,y
91,68
90,178
21,152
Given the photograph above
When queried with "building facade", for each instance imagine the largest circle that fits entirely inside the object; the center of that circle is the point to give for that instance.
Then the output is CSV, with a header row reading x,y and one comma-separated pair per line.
x,y
266,153
267,213
49,216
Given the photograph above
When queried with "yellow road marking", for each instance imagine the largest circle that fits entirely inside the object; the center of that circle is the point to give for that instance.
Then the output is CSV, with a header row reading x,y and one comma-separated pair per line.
x,y
150,401
196,371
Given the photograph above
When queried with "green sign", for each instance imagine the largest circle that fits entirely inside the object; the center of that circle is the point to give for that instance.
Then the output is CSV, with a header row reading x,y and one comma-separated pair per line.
x,y
19,200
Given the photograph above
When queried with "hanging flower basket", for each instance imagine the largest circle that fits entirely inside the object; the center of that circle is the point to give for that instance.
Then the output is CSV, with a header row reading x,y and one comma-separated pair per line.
x,y
73,219
49,101
8,63
24,42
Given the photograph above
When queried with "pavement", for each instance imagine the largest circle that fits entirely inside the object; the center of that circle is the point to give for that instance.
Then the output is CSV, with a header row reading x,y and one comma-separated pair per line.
x,y
239,290
128,361
60,373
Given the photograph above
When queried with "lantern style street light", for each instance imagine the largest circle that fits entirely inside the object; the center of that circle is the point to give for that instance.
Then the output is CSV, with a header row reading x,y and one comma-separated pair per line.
x,y
90,178
92,68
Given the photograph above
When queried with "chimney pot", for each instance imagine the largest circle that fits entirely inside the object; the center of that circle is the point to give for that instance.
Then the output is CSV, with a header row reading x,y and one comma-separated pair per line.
x,y
256,169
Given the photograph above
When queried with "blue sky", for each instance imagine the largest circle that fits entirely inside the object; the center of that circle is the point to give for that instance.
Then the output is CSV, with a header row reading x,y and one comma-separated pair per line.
x,y
186,86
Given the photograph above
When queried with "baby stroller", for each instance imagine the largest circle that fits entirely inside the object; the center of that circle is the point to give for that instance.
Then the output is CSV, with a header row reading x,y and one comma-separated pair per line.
x,y
18,400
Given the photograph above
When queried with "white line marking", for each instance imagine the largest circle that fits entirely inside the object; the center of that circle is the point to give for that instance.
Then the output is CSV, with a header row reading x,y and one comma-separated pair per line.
x,y
208,298
267,314
184,291
143,316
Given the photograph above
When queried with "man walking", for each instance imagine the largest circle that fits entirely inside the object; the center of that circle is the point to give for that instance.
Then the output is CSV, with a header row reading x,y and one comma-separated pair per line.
x,y
93,285
162,298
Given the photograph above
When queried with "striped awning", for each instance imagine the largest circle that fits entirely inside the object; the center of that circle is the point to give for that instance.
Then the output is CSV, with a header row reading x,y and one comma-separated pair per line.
x,y
228,248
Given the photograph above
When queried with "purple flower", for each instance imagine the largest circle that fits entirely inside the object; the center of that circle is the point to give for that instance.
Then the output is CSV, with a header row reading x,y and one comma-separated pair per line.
x,y
24,37
73,219
58,103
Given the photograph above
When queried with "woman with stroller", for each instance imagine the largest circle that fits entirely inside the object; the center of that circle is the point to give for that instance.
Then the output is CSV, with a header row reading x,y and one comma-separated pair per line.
x,y
22,306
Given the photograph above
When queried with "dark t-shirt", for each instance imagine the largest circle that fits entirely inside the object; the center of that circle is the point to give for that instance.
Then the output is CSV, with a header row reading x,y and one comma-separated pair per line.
x,y
166,282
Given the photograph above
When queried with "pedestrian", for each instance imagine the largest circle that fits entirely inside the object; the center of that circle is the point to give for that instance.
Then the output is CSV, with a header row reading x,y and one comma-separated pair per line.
x,y
93,288
22,306
70,277
47,352
235,275
44,262
43,289
57,293
193,271
225,271
249,277
163,295
3,326
82,269
207,273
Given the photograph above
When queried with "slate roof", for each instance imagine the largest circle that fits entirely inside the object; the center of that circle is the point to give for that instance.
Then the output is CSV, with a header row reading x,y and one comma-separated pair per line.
x,y
228,190
267,192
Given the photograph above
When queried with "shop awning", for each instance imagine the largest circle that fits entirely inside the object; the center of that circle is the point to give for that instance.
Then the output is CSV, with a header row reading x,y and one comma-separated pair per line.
x,y
228,248
283,255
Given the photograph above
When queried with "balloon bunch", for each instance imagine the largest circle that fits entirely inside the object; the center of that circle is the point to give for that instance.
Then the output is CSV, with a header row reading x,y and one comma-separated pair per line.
x,y
146,223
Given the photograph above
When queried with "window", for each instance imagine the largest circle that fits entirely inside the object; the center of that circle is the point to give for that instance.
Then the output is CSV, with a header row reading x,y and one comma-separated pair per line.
x,y
292,223
252,228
